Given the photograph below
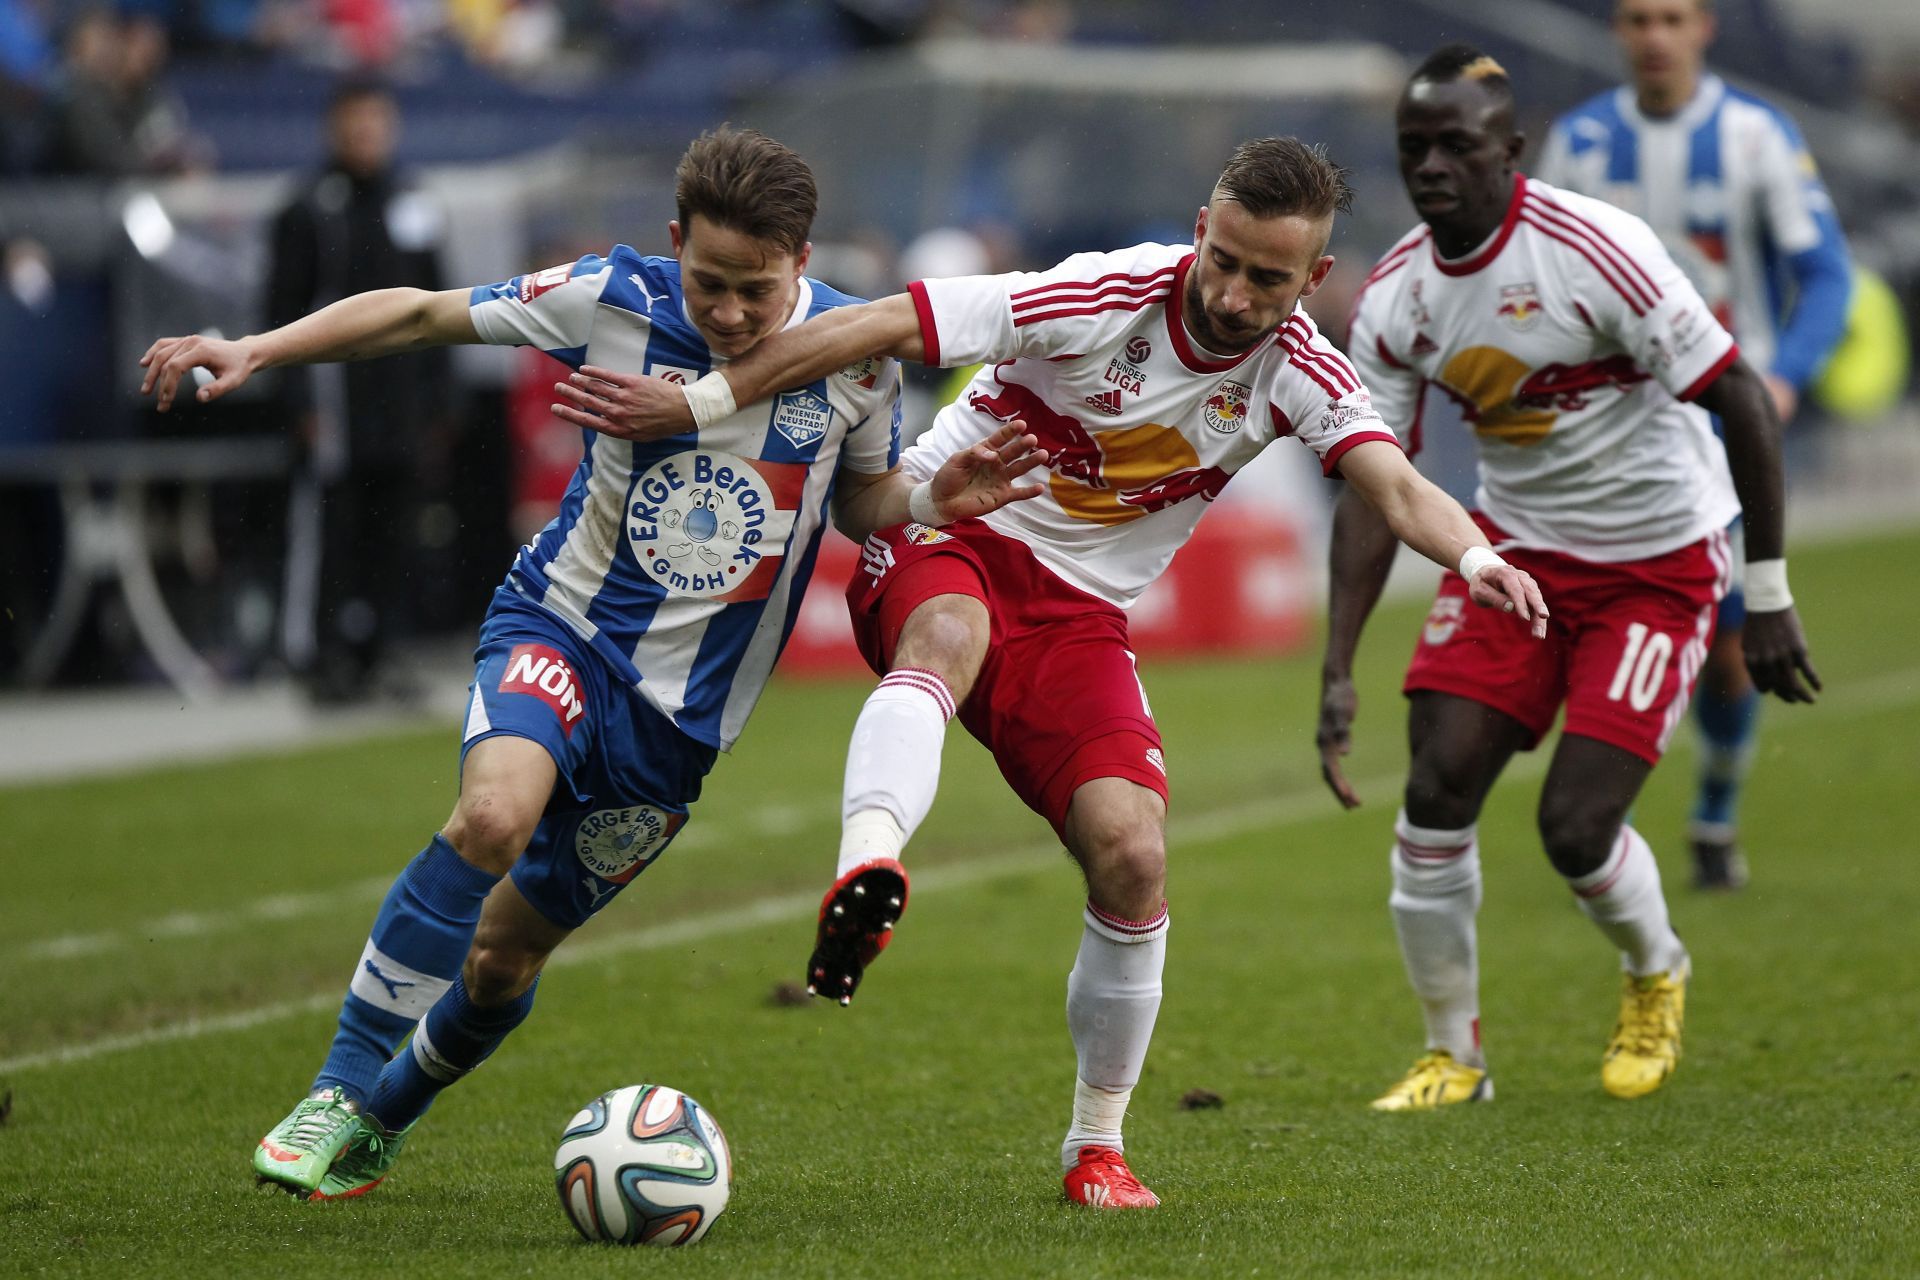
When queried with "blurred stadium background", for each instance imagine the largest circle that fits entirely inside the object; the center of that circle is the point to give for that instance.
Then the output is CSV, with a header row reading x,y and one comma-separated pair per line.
x,y
147,146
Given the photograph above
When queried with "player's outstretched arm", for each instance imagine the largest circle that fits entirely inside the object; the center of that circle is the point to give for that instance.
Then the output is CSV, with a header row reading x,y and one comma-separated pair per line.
x,y
641,408
1359,556
1422,515
1776,647
381,322
976,480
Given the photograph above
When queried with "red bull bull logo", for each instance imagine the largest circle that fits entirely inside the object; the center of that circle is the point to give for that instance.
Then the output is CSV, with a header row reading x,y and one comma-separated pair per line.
x,y
1520,305
1226,408
1117,475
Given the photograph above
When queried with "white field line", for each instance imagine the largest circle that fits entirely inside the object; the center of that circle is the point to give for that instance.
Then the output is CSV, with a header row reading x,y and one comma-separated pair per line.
x,y
1876,693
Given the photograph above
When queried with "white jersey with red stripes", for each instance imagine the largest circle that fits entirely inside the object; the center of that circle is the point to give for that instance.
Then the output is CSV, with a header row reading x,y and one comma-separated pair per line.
x,y
1144,427
1572,344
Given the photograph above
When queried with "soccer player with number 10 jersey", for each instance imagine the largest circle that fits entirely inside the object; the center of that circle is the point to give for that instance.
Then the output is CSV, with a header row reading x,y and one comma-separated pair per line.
x,y
1584,363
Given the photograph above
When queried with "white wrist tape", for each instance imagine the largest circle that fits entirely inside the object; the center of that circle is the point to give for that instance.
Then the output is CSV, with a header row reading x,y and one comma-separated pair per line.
x,y
1476,559
920,505
710,398
1767,586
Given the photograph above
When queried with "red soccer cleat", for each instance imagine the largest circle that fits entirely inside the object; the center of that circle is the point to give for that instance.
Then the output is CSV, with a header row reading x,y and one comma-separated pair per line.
x,y
856,923
1101,1179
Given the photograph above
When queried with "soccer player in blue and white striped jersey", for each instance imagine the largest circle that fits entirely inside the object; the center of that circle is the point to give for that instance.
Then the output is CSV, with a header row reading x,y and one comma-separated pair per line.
x,y
630,639
1725,180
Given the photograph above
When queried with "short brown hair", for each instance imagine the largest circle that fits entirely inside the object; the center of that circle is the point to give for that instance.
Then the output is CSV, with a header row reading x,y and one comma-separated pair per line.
x,y
1285,177
742,179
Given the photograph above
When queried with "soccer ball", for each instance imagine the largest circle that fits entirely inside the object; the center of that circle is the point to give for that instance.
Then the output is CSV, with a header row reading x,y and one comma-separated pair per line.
x,y
643,1165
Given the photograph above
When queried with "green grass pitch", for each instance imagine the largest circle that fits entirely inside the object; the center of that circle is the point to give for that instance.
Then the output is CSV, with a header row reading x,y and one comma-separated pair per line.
x,y
914,1135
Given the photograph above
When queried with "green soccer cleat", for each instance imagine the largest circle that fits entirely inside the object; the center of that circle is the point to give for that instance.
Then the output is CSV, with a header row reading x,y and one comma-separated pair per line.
x,y
297,1152
365,1163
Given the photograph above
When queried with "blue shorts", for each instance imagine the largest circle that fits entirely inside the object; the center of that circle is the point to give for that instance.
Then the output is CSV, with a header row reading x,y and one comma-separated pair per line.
x,y
627,773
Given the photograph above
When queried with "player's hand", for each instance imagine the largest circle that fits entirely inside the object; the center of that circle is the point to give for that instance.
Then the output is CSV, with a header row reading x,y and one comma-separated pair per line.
x,y
628,406
1776,652
1334,736
229,363
982,478
1503,587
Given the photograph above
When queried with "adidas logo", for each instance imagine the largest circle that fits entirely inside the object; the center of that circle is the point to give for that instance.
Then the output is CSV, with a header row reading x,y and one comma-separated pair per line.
x,y
1107,402
1423,345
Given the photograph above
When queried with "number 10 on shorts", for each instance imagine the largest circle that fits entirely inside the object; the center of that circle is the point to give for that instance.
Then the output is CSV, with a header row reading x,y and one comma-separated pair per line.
x,y
1642,667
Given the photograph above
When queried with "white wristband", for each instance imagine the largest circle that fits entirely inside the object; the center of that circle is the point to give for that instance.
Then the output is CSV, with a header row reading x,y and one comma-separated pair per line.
x,y
1767,586
920,505
1476,559
710,398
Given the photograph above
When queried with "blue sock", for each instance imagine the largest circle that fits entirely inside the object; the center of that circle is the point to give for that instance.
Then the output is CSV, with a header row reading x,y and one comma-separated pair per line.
x,y
455,1037
420,939
1727,729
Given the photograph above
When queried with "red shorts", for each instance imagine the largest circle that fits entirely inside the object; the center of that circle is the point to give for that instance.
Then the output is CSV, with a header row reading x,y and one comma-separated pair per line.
x,y
1623,648
1058,700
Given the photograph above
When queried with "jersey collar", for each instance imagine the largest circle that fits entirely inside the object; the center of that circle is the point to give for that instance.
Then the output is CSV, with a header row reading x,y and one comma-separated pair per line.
x,y
1706,100
1489,248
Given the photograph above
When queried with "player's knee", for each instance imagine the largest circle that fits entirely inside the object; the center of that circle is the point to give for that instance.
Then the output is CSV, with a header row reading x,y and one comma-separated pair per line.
x,y
951,641
489,831
1440,796
1578,836
1126,869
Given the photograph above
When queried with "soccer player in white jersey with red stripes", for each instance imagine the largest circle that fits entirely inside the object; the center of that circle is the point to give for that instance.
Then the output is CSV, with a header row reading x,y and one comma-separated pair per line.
x,y
1584,363
1149,376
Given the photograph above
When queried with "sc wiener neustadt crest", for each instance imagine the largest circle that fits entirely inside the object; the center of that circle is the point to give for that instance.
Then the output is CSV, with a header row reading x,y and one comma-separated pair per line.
x,y
696,521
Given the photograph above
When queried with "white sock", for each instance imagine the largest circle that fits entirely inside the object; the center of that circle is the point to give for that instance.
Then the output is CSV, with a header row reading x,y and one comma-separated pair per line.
x,y
893,765
1436,894
1624,898
1113,997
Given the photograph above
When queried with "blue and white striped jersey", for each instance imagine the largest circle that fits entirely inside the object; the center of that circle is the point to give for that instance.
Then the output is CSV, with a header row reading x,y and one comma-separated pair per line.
x,y
683,561
1728,185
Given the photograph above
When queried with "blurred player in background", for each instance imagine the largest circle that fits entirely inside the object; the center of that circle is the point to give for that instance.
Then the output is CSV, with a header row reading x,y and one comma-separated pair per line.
x,y
1150,375
357,224
1725,181
631,638
1574,346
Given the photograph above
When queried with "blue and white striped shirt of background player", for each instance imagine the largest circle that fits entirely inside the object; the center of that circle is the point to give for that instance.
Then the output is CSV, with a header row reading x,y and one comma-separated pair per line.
x,y
1728,185
683,561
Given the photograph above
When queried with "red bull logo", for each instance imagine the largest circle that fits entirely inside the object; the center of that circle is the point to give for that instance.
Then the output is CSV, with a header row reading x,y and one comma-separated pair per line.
x,y
1117,475
1520,305
1226,408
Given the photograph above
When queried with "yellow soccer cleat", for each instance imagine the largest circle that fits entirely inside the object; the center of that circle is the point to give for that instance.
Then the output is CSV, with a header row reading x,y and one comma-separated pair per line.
x,y
1436,1081
1645,1047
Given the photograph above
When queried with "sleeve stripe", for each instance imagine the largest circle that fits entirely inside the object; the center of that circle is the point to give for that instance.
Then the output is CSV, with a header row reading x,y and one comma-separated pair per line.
x,y
1634,272
929,329
1332,391
1324,359
1117,279
1090,295
1112,304
1586,250
1340,447
1706,379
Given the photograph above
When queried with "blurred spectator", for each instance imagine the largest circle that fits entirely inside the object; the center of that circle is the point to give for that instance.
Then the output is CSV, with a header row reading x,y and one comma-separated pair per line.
x,y
26,64
356,225
110,113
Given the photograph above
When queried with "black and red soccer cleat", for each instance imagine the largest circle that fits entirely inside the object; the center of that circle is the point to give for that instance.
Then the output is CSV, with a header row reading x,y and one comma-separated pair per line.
x,y
856,923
